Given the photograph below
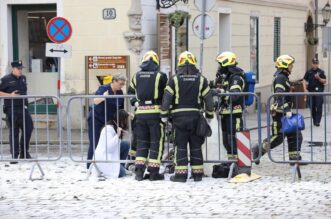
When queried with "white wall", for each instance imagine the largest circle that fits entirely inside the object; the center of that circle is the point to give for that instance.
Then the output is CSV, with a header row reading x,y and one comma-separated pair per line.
x,y
149,25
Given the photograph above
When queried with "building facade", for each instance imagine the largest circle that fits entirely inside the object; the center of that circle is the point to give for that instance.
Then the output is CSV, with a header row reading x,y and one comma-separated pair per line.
x,y
256,30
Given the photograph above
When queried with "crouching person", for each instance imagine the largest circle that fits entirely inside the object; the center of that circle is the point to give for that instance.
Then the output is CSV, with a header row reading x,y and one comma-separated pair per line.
x,y
112,148
185,92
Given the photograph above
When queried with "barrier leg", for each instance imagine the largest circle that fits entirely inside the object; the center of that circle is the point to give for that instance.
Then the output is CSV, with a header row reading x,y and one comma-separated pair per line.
x,y
41,172
295,171
89,172
232,167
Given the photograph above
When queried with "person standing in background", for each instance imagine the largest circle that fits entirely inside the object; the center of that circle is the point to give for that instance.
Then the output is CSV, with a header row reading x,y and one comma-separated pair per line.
x,y
314,81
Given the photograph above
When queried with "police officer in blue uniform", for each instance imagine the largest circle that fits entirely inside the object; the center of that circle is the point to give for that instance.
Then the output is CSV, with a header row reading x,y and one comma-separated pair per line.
x,y
19,118
315,78
101,114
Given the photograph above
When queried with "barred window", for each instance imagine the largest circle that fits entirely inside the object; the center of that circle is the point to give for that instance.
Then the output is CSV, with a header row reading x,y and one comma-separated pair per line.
x,y
276,37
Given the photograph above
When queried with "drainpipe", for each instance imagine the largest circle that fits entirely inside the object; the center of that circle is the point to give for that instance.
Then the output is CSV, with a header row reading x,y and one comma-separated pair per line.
x,y
316,29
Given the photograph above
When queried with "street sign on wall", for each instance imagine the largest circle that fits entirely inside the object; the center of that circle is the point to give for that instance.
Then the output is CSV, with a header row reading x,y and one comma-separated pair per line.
x,y
107,62
58,50
59,30
209,26
101,66
109,13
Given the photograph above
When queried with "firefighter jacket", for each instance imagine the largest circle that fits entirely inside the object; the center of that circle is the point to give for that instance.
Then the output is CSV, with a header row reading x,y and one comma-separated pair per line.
x,y
234,82
148,85
185,93
281,84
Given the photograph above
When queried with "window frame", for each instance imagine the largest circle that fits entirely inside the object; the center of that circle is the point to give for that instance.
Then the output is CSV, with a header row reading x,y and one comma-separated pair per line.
x,y
15,9
277,37
257,41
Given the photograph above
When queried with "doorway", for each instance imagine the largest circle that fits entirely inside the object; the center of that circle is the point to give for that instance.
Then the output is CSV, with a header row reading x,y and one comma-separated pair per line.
x,y
29,38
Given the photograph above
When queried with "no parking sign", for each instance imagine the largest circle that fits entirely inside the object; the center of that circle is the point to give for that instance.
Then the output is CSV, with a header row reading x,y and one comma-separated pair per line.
x,y
59,30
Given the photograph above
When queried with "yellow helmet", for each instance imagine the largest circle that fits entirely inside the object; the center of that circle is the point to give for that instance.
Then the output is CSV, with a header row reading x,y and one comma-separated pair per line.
x,y
226,59
151,55
107,79
186,57
284,61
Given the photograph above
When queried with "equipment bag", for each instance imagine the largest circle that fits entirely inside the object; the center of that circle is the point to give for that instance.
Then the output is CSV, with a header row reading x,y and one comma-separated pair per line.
x,y
250,81
222,170
291,125
203,128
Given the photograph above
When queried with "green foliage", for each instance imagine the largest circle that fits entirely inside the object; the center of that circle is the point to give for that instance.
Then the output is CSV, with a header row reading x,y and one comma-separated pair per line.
x,y
312,41
177,18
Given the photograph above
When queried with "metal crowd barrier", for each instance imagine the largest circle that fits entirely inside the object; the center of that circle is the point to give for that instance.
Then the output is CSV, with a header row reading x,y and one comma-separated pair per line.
x,y
250,123
46,136
314,148
78,142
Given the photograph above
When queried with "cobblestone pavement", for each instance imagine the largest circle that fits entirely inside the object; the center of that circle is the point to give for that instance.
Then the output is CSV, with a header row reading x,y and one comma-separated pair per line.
x,y
66,193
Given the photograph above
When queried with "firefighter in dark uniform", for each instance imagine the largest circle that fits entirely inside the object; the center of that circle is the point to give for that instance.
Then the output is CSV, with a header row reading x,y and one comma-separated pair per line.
x,y
17,113
184,96
148,85
231,108
282,106
101,114
315,78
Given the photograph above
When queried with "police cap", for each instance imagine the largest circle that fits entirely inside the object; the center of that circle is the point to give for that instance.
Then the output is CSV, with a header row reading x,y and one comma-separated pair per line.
x,y
315,61
17,64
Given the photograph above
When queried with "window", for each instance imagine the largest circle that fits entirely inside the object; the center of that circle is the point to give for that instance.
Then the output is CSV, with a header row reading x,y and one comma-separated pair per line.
x,y
254,46
37,41
276,37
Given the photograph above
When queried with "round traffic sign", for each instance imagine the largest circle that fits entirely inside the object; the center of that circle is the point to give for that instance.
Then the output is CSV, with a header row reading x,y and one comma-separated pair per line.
x,y
208,29
59,30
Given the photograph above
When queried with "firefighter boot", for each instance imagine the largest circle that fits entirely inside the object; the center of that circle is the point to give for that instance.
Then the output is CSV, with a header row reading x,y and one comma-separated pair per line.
x,y
177,178
296,158
156,176
139,174
197,177
255,152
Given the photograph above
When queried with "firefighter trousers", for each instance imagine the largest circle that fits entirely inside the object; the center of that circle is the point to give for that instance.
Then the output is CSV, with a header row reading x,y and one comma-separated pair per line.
x,y
150,141
185,132
294,140
231,125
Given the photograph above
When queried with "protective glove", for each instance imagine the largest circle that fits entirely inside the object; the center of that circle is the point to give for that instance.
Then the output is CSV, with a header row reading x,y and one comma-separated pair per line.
x,y
164,119
221,90
289,114
136,104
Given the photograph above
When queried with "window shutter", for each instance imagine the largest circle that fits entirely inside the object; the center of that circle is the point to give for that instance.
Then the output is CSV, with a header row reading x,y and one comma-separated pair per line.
x,y
276,37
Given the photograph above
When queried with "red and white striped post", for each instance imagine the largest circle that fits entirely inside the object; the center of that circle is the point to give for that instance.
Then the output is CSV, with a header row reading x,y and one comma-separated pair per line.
x,y
244,152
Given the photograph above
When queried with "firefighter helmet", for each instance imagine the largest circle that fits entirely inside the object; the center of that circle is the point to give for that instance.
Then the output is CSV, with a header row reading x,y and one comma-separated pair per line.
x,y
186,57
284,61
226,59
151,55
